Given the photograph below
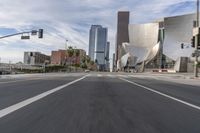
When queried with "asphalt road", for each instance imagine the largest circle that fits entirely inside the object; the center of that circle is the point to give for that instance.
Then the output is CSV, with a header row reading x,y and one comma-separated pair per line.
x,y
98,103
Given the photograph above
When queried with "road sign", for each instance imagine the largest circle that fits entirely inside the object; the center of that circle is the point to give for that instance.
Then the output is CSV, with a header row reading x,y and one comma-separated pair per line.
x,y
25,37
196,53
195,31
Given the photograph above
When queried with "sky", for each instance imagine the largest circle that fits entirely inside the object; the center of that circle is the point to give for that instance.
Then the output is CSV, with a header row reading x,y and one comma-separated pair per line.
x,y
71,20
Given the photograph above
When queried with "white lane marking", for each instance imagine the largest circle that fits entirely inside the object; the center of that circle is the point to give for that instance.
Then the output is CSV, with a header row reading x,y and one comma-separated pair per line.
x,y
125,76
89,75
144,77
99,75
111,76
24,103
162,94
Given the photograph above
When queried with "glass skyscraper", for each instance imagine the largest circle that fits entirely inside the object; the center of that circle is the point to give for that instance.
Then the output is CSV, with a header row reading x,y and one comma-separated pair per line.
x,y
97,45
92,40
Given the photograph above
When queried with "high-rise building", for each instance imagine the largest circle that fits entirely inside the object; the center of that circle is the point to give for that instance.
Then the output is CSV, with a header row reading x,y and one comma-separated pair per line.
x,y
113,63
100,46
92,40
107,57
122,32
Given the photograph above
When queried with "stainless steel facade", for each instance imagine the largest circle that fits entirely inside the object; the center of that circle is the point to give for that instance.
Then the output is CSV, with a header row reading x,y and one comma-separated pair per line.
x,y
178,30
144,44
161,40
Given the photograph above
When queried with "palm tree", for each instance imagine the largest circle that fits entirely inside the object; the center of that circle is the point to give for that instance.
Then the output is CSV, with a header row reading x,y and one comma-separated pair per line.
x,y
70,52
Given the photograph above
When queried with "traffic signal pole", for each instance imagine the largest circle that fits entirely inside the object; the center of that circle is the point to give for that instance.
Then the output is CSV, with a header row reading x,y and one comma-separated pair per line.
x,y
40,33
14,35
196,44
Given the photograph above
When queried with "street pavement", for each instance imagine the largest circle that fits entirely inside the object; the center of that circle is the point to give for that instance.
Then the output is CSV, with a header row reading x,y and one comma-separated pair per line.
x,y
98,103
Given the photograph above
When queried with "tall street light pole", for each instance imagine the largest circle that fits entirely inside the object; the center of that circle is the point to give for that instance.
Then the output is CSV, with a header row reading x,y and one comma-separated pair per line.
x,y
196,43
197,12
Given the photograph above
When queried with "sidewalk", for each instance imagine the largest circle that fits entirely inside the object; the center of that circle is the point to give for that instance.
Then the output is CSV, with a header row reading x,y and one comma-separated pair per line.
x,y
182,78
177,75
38,75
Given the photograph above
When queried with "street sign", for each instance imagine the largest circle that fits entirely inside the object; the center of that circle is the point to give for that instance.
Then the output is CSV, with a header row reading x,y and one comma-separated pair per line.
x,y
196,53
25,37
34,32
195,31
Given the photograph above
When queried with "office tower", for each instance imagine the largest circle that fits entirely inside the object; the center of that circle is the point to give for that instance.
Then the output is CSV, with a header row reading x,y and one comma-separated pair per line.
x,y
100,46
122,32
92,40
97,45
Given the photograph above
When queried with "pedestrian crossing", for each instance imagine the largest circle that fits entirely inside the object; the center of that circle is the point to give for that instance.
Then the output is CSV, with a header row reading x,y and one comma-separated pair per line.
x,y
126,76
109,75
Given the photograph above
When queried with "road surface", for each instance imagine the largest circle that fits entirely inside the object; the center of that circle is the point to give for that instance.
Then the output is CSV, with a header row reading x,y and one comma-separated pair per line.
x,y
98,103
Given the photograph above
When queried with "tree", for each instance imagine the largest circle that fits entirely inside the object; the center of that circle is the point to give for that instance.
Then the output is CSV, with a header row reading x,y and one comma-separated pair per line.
x,y
77,54
88,59
70,52
83,59
92,62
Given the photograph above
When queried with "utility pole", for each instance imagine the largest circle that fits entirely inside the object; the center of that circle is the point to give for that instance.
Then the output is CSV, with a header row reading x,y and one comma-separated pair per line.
x,y
66,41
196,44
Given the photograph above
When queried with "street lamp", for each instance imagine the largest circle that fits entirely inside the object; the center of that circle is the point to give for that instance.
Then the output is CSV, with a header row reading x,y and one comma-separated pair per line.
x,y
196,44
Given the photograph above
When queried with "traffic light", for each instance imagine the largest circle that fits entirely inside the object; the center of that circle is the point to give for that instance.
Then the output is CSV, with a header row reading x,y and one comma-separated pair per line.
x,y
198,46
182,45
193,41
34,32
193,54
40,33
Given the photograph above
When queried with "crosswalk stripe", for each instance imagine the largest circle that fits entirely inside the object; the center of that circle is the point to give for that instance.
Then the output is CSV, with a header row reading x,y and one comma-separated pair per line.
x,y
99,75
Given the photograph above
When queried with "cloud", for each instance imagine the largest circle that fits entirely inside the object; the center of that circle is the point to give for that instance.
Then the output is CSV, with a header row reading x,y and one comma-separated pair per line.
x,y
181,7
71,20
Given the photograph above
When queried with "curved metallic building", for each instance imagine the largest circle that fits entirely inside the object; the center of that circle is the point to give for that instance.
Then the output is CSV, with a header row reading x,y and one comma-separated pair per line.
x,y
178,30
143,45
160,41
